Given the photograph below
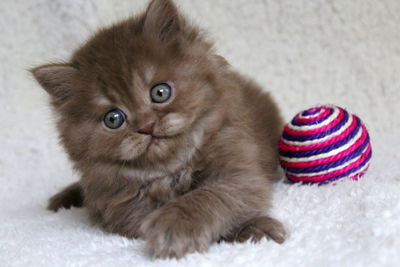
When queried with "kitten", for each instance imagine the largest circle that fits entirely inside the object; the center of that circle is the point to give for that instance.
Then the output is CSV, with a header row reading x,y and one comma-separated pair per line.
x,y
173,146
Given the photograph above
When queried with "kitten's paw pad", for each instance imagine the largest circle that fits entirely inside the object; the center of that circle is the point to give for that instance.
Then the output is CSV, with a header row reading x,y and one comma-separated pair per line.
x,y
69,197
260,227
172,233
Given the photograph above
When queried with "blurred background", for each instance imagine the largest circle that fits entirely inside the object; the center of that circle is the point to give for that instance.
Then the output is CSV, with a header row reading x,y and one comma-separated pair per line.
x,y
304,52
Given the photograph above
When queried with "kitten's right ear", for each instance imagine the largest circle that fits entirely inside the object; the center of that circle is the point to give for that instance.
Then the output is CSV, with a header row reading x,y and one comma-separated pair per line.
x,y
162,19
56,79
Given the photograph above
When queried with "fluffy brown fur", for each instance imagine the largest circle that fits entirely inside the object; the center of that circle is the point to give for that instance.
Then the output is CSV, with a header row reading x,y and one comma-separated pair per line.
x,y
204,171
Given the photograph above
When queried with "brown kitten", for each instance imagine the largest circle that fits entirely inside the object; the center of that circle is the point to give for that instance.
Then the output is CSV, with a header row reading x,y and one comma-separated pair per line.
x,y
173,146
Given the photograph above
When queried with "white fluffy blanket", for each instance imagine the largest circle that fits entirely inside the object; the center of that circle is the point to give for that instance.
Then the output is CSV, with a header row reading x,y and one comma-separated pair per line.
x,y
304,52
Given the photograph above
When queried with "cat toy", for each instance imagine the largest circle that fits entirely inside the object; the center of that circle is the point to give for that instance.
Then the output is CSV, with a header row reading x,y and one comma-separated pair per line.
x,y
323,144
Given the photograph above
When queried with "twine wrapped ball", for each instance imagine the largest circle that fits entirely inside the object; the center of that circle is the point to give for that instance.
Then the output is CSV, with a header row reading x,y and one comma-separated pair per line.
x,y
323,144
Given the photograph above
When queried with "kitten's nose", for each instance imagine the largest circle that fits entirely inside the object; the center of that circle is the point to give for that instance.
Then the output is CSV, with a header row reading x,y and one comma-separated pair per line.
x,y
146,127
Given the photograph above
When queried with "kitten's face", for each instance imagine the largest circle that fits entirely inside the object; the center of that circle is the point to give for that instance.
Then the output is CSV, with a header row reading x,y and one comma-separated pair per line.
x,y
137,92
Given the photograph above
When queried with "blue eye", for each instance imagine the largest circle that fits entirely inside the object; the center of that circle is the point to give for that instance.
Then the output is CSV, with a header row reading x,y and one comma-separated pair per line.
x,y
114,119
160,93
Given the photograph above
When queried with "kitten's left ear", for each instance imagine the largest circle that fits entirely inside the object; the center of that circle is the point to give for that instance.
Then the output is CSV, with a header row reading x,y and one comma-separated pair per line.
x,y
162,19
57,80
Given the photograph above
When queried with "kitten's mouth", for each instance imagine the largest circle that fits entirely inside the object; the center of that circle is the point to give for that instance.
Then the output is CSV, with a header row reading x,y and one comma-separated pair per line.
x,y
157,139
154,141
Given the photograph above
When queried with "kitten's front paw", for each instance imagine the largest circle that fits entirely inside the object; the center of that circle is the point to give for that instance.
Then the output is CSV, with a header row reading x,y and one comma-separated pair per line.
x,y
258,228
173,233
70,196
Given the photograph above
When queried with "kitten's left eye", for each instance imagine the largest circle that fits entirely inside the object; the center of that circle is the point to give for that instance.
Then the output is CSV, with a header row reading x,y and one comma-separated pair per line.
x,y
160,93
114,119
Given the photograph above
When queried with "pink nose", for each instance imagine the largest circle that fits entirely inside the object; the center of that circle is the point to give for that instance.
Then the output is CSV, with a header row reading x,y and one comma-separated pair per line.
x,y
146,127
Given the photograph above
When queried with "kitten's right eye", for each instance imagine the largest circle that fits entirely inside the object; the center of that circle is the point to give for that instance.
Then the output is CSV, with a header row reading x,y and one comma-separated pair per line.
x,y
114,119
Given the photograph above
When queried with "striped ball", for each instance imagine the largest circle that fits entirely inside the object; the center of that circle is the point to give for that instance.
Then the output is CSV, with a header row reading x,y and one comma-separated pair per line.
x,y
323,144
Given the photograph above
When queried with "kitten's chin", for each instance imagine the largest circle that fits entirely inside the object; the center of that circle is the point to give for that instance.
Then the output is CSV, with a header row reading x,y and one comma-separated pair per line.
x,y
133,147
159,148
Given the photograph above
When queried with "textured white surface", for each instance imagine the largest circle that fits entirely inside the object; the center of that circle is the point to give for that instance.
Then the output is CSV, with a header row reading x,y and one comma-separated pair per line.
x,y
305,52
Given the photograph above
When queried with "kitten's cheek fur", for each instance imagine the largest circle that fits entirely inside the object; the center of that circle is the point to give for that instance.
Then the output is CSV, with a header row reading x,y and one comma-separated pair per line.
x,y
132,147
172,124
